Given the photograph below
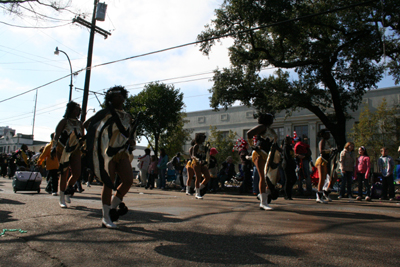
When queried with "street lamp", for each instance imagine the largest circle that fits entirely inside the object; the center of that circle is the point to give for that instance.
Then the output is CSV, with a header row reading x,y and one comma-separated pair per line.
x,y
57,52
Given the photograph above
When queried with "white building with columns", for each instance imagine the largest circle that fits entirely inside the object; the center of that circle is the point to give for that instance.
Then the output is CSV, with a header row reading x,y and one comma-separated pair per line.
x,y
240,119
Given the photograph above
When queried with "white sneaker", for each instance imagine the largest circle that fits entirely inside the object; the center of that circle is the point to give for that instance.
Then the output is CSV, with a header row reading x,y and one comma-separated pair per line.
x,y
264,202
198,195
188,191
106,220
320,200
62,200
88,184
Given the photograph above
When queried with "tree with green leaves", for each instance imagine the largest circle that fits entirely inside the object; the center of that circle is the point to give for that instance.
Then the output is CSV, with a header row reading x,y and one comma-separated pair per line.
x,y
173,141
378,129
332,51
162,106
224,144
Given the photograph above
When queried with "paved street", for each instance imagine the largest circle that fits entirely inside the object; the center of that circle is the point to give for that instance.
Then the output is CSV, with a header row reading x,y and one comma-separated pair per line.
x,y
168,228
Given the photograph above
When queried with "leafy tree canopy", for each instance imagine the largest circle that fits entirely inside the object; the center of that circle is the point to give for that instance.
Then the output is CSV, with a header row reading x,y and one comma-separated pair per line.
x,y
162,106
333,51
224,144
376,130
174,140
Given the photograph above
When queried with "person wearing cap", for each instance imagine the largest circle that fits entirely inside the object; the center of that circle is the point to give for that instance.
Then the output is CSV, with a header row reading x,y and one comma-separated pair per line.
x,y
213,169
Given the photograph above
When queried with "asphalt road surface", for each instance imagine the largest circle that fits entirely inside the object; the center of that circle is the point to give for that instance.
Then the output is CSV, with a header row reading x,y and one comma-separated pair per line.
x,y
168,228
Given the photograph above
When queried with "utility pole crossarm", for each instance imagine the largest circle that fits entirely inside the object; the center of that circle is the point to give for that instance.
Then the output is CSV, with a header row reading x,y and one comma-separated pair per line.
x,y
89,25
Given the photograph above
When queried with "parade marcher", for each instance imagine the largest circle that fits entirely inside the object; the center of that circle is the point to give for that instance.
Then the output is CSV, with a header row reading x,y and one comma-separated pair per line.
x,y
261,147
111,139
52,166
347,167
323,165
66,146
199,162
190,170
363,169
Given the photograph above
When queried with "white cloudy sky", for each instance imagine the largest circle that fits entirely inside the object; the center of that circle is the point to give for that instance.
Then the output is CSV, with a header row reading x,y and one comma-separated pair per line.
x,y
27,58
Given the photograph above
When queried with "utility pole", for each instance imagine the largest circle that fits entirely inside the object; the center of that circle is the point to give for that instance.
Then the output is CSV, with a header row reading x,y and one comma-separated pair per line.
x,y
89,64
93,29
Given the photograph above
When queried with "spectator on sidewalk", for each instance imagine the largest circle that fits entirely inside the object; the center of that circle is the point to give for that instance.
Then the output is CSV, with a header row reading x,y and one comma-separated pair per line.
x,y
302,152
363,169
152,172
213,169
346,162
144,162
227,171
52,166
162,167
386,168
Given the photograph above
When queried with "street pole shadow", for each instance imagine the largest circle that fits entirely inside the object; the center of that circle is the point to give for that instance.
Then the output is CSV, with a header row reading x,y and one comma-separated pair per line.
x,y
214,248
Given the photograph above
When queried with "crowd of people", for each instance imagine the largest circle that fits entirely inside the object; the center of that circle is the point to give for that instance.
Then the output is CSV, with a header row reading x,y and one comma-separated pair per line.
x,y
102,146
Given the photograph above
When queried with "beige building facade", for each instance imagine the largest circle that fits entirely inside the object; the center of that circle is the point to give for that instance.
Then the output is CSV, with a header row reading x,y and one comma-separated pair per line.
x,y
240,119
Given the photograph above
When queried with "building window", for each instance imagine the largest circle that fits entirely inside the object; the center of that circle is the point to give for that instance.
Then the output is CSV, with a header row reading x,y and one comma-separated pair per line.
x,y
245,134
224,117
201,119
225,135
280,132
250,114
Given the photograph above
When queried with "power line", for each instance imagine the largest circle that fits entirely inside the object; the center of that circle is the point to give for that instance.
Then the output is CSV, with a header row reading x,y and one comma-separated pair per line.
x,y
200,41
35,27
41,15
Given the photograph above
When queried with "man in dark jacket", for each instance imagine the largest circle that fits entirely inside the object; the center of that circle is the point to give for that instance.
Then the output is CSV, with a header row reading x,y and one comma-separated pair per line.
x,y
227,171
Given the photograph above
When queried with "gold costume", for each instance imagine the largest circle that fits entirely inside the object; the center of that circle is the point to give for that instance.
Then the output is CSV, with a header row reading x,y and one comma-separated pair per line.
x,y
110,143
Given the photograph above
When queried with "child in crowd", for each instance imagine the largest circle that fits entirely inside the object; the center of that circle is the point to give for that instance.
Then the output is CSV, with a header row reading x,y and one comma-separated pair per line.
x,y
363,168
386,167
152,172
